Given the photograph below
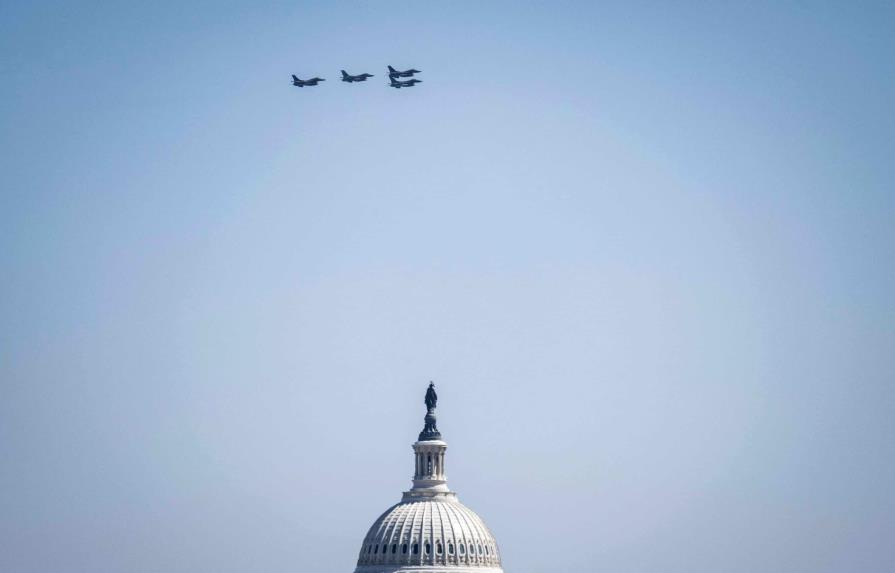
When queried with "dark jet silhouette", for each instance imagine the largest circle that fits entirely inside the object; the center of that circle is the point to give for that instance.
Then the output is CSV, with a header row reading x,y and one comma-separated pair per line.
x,y
406,84
393,73
302,83
346,77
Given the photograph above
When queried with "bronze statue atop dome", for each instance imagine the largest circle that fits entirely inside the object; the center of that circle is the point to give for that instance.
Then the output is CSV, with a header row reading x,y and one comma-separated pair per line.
x,y
431,397
430,430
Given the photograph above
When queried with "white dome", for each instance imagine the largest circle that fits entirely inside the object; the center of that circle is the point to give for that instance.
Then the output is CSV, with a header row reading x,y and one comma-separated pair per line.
x,y
437,535
430,531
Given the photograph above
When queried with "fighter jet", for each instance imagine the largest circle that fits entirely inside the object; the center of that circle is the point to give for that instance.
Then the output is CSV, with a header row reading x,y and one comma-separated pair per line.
x,y
393,73
346,77
302,83
407,84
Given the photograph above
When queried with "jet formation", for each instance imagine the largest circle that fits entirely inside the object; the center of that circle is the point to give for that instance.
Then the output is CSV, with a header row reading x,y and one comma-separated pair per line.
x,y
393,80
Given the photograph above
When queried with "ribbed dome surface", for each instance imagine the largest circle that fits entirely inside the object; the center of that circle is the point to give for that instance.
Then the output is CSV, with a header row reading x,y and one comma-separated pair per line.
x,y
428,533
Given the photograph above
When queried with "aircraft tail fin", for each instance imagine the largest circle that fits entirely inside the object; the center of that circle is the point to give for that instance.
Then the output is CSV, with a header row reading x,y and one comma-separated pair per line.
x,y
295,78
344,74
392,70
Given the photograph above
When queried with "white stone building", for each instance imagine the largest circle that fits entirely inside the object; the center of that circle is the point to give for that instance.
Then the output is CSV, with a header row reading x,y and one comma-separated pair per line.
x,y
429,531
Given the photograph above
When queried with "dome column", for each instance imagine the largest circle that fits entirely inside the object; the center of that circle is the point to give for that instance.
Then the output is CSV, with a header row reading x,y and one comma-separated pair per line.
x,y
429,478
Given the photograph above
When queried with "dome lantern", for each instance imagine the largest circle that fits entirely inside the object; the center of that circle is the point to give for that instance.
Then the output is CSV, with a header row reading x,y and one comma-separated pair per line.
x,y
429,479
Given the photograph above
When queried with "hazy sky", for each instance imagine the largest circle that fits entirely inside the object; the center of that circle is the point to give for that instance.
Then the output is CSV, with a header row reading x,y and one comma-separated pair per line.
x,y
645,251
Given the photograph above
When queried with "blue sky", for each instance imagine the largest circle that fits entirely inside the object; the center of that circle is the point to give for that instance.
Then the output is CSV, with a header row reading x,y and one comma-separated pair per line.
x,y
644,251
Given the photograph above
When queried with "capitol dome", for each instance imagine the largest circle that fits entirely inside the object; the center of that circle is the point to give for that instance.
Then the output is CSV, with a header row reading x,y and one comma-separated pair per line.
x,y
429,531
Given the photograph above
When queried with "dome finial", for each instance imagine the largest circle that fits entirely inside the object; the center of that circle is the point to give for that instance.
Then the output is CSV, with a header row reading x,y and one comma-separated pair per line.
x,y
430,430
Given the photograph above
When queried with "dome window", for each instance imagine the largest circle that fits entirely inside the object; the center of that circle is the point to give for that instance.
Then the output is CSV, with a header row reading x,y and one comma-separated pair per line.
x,y
416,548
438,548
462,549
385,548
404,549
480,549
451,548
394,547
376,549
428,548
486,550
